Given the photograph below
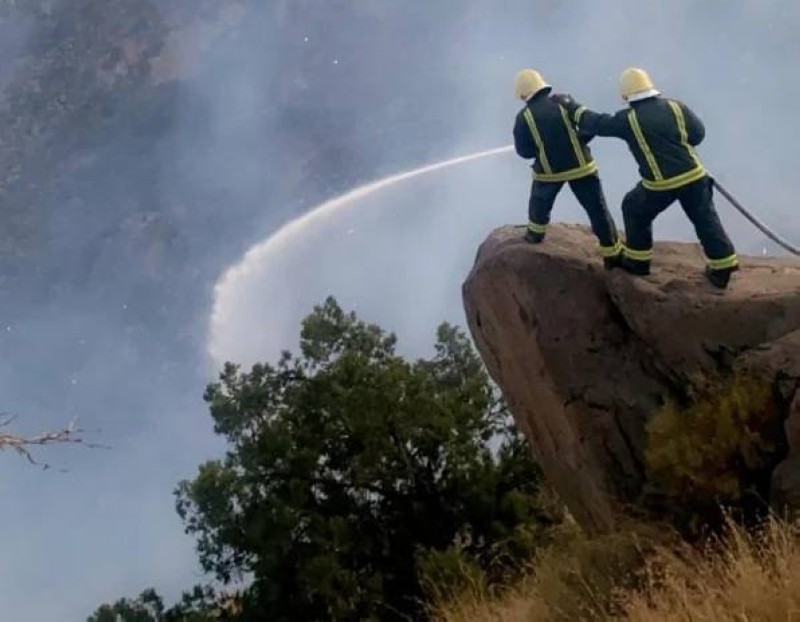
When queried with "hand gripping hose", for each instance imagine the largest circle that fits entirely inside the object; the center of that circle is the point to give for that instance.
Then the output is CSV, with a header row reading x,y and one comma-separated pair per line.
x,y
794,250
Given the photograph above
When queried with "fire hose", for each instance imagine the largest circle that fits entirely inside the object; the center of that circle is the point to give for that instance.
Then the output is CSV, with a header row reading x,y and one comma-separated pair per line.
x,y
759,224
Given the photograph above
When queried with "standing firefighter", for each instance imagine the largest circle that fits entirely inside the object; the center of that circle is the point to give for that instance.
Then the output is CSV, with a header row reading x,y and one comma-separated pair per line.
x,y
544,130
662,135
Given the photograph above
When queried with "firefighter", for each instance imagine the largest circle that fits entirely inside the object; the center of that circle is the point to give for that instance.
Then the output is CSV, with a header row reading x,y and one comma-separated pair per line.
x,y
543,130
662,135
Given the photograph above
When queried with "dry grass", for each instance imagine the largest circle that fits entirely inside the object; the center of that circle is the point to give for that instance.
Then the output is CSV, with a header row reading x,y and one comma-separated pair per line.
x,y
745,578
742,578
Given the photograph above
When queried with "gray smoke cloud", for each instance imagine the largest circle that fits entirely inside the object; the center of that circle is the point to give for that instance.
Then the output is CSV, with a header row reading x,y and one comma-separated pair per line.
x,y
279,106
420,238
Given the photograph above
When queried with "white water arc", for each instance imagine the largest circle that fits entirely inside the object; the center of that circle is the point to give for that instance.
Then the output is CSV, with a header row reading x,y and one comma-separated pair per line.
x,y
259,255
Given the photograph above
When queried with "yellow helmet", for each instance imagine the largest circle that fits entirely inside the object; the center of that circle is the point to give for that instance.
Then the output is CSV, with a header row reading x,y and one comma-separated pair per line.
x,y
528,83
635,83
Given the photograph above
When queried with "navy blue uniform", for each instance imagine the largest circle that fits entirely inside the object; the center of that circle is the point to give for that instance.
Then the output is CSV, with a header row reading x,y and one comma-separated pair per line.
x,y
662,135
544,131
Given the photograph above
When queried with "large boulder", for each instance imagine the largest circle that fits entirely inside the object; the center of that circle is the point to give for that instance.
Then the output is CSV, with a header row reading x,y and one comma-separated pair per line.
x,y
587,359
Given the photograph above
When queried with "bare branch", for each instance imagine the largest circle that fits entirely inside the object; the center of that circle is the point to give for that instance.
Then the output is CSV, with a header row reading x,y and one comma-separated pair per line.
x,y
70,435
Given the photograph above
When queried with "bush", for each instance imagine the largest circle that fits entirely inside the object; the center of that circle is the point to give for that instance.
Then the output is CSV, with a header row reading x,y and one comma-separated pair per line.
x,y
712,452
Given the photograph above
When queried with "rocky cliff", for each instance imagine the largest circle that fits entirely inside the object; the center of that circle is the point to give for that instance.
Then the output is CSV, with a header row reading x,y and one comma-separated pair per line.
x,y
643,394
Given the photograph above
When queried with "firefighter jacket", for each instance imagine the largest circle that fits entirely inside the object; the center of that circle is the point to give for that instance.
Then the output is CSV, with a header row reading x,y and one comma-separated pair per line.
x,y
661,134
544,130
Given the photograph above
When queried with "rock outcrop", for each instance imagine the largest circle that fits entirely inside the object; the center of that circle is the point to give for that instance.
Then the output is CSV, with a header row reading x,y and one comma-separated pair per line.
x,y
587,358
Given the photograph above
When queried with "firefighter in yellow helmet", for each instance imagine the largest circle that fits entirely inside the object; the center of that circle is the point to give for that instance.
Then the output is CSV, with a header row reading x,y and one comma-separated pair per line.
x,y
544,131
662,135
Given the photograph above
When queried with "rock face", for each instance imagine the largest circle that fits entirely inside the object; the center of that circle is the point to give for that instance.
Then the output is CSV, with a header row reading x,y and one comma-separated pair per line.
x,y
586,357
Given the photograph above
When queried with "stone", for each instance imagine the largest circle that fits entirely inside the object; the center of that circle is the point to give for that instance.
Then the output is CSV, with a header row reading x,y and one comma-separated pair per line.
x,y
585,356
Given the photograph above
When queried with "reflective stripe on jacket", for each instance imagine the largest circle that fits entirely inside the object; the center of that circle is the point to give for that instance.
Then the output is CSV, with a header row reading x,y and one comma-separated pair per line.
x,y
545,131
661,134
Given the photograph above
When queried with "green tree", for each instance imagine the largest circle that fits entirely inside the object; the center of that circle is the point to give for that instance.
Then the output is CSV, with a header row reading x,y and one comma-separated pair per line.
x,y
201,604
148,607
353,475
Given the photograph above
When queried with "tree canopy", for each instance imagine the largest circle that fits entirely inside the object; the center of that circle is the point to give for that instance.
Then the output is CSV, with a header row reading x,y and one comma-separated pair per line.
x,y
355,479
201,604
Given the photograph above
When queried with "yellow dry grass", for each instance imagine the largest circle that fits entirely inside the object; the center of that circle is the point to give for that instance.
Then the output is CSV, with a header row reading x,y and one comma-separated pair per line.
x,y
746,577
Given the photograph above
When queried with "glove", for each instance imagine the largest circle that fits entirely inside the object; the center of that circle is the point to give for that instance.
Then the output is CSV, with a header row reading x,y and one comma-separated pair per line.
x,y
566,100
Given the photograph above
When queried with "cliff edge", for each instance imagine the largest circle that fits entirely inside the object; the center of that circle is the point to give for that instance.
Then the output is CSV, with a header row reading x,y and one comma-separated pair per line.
x,y
643,394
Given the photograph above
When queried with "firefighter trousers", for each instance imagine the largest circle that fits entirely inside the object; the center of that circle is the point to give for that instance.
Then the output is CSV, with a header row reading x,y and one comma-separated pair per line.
x,y
589,192
640,207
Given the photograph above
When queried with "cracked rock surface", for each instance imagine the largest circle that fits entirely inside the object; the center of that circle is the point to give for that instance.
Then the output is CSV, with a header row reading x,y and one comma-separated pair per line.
x,y
585,357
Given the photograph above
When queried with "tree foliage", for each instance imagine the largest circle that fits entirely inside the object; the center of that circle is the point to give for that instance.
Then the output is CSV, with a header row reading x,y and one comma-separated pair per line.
x,y
355,478
148,607
201,604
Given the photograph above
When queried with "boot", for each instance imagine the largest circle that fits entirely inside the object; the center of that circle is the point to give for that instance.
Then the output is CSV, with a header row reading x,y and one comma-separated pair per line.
x,y
609,263
720,278
639,268
533,237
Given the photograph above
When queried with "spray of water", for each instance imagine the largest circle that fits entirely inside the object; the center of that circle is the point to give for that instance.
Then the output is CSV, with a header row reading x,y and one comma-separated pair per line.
x,y
283,238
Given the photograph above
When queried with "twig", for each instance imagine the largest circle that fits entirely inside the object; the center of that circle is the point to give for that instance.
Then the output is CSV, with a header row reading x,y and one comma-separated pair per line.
x,y
70,435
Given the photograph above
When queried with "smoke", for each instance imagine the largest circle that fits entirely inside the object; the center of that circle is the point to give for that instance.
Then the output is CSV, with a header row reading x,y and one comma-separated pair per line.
x,y
148,191
581,48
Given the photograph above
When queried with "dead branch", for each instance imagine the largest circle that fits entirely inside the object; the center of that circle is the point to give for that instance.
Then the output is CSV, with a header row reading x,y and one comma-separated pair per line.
x,y
70,435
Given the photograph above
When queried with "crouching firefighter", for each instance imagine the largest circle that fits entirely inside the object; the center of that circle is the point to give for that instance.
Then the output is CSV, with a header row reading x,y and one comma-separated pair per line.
x,y
544,130
662,135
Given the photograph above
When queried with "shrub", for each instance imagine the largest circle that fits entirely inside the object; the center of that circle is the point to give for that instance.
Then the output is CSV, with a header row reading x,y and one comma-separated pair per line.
x,y
709,453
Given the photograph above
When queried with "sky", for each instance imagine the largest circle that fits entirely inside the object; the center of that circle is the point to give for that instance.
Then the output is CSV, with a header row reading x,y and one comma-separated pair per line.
x,y
293,113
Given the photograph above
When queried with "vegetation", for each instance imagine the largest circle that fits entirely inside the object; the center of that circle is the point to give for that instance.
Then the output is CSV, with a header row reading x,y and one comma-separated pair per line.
x,y
359,485
710,454
741,576
716,451
356,480
199,605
